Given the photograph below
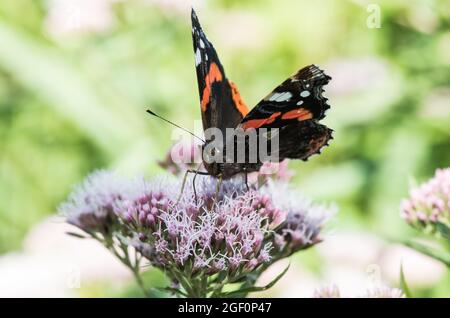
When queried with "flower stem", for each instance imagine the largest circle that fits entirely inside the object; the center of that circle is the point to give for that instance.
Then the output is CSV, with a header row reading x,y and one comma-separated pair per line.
x,y
139,281
125,259
135,269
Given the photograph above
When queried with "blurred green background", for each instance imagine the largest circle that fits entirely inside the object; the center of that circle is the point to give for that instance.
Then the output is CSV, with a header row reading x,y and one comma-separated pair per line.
x,y
77,76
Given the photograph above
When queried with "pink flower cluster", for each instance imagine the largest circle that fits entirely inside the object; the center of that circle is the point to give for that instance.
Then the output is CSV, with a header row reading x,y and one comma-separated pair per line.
x,y
202,240
90,205
429,203
381,291
188,235
234,231
183,155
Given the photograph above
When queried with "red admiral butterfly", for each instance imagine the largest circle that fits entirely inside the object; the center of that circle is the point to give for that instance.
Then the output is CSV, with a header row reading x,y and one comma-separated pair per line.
x,y
294,108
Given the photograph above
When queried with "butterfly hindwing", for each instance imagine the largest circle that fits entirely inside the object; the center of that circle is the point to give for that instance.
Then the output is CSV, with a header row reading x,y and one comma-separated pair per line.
x,y
302,139
221,104
298,98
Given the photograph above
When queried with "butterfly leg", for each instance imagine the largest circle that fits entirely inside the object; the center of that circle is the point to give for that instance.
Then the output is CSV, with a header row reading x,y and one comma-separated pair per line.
x,y
193,186
219,183
246,180
182,185
196,172
246,184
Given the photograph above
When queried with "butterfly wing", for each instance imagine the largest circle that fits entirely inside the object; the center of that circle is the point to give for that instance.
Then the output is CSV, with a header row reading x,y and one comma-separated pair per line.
x,y
221,104
301,140
298,98
294,107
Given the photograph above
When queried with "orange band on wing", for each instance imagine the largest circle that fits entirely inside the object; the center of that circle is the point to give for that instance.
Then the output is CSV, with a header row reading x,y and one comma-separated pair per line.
x,y
256,123
214,75
237,99
299,114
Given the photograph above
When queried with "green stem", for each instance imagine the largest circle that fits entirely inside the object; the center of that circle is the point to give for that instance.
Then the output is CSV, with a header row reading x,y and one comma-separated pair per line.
x,y
438,255
134,269
183,283
125,259
139,281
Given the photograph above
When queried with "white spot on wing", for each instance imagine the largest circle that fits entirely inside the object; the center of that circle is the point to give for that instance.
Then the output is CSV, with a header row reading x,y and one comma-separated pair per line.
x,y
280,97
202,44
305,94
299,103
198,57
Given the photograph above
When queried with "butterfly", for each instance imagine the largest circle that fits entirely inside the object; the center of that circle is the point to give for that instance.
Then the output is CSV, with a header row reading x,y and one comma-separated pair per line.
x,y
293,108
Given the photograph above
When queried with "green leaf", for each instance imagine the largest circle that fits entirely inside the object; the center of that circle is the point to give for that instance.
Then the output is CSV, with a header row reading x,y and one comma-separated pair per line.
x,y
403,284
258,289
444,230
427,250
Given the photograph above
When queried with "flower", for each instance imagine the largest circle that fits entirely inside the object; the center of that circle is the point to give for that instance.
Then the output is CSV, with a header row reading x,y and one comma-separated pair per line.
x,y
276,170
188,232
90,206
142,202
183,155
331,291
226,230
384,292
304,219
429,203
233,231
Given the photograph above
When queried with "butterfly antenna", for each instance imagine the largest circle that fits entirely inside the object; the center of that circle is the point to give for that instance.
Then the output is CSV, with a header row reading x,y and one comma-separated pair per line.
x,y
173,124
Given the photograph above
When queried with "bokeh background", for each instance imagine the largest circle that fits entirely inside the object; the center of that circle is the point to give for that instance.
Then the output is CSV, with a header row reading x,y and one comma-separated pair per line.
x,y
77,75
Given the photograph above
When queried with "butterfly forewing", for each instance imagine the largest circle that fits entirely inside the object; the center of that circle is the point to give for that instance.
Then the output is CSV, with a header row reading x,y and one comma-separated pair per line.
x,y
220,102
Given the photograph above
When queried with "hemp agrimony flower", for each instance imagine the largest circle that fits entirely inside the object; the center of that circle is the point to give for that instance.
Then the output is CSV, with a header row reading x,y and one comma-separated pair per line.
x,y
202,242
384,292
373,292
428,210
90,205
429,203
